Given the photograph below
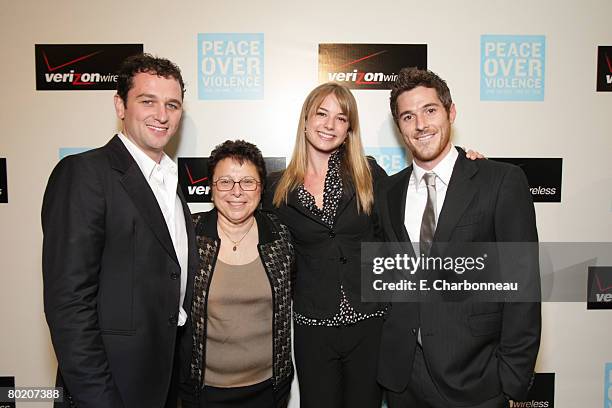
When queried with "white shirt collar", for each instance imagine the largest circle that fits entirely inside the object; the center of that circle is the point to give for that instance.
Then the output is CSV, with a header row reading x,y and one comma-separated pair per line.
x,y
147,164
443,170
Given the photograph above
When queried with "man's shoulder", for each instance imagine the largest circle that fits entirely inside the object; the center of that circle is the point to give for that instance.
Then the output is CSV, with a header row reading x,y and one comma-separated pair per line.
x,y
493,177
94,154
400,177
101,156
494,165
88,164
82,161
490,168
377,171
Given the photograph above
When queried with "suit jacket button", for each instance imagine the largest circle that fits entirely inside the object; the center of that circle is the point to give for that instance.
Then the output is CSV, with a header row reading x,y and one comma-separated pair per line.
x,y
173,320
414,331
332,234
342,260
174,276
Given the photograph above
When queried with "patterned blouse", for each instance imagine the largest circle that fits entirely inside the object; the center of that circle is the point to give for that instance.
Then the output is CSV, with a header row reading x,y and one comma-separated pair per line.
x,y
332,193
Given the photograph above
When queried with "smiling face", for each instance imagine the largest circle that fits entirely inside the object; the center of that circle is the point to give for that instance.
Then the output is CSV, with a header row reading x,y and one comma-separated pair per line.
x,y
152,113
327,127
236,205
425,125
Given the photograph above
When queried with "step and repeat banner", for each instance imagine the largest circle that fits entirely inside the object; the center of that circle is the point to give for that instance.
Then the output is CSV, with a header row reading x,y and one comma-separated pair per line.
x,y
532,84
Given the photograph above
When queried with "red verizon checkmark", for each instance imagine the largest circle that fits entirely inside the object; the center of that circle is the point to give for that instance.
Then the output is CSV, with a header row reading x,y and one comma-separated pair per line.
x,y
191,180
362,59
600,286
51,69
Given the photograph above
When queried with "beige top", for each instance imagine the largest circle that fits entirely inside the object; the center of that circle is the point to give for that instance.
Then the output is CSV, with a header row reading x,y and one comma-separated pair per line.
x,y
239,331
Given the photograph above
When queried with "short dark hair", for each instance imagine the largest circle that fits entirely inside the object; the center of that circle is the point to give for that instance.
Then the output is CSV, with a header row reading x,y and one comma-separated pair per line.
x,y
240,151
412,77
149,64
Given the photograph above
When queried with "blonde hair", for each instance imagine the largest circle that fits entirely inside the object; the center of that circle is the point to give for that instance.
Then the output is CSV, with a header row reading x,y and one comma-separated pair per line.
x,y
354,163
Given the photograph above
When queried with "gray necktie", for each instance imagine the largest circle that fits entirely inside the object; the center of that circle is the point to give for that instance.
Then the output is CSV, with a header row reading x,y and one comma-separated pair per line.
x,y
428,224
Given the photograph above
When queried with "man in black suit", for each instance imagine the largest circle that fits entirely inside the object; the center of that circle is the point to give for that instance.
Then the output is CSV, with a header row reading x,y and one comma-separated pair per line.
x,y
118,252
468,354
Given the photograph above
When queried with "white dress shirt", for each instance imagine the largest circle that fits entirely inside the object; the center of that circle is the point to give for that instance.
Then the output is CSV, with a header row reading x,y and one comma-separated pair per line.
x,y
416,196
163,180
416,199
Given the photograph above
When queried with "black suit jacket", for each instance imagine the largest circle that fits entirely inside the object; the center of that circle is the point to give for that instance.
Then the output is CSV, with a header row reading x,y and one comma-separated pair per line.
x,y
327,257
475,350
111,280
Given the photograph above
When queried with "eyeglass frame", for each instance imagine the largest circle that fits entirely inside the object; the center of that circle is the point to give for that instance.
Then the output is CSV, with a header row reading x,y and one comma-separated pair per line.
x,y
239,182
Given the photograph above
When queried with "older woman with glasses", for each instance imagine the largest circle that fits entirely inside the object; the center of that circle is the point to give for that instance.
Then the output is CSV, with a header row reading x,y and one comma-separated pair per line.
x,y
239,350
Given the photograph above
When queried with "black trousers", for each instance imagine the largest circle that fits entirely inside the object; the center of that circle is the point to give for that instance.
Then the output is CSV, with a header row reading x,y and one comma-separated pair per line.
x,y
336,366
423,393
260,395
172,398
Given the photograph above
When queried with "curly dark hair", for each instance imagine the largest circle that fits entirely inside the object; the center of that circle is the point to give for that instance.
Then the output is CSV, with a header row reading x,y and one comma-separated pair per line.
x,y
240,151
411,77
145,63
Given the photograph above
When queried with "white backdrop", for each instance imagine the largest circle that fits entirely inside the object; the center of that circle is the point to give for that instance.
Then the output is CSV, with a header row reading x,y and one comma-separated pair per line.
x,y
573,122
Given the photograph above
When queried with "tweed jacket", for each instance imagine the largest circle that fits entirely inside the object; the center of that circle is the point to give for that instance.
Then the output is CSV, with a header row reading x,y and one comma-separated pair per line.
x,y
277,256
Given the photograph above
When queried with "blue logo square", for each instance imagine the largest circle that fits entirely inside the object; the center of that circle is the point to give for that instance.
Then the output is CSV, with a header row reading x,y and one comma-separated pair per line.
x,y
230,66
512,67
392,159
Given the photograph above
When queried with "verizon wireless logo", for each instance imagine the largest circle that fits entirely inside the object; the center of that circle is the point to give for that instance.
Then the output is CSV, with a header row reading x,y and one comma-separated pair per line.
x,y
361,78
193,179
541,394
539,190
599,287
543,176
368,66
75,78
193,188
80,67
605,294
529,404
604,69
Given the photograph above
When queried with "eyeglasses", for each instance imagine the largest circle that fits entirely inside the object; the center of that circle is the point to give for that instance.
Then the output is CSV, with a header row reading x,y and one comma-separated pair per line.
x,y
227,184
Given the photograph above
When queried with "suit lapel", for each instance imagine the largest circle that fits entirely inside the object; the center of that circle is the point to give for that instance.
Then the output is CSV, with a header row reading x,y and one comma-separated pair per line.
x,y
459,195
400,243
396,205
140,193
